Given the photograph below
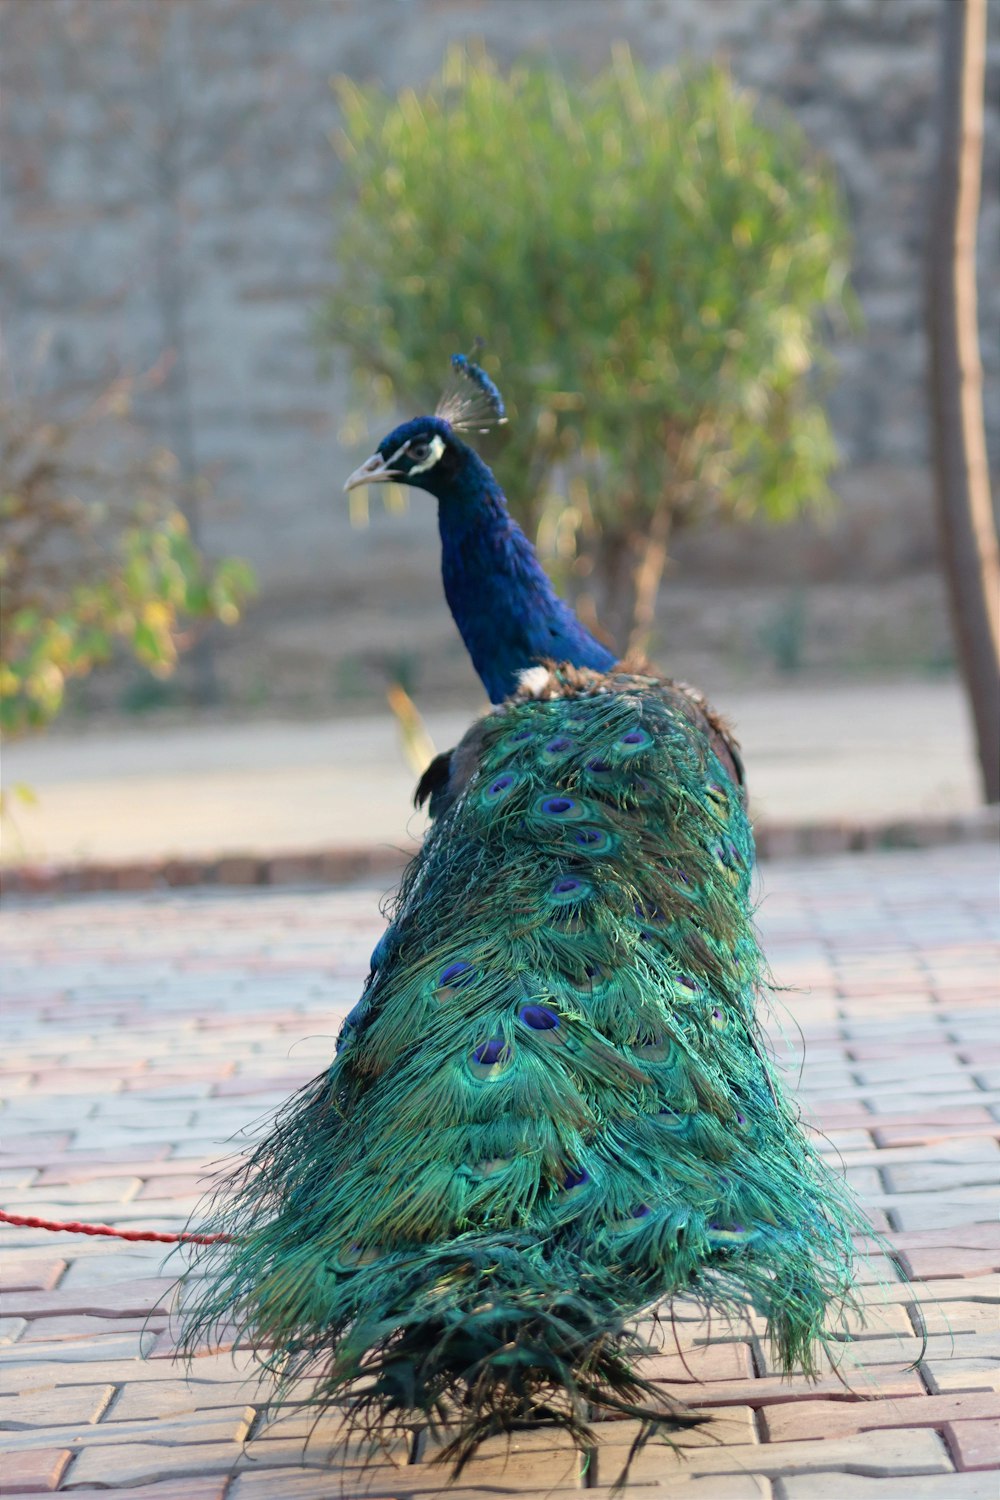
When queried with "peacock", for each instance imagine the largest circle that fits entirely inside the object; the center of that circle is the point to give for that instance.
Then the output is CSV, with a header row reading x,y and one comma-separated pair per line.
x,y
551,1109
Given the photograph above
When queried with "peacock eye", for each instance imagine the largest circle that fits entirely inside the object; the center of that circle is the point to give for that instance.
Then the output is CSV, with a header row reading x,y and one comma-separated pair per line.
x,y
419,451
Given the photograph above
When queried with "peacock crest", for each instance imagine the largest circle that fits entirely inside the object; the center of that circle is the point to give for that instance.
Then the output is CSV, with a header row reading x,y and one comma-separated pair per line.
x,y
471,402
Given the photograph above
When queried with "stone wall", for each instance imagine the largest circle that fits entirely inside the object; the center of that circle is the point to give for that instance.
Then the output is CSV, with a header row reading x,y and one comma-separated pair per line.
x,y
168,177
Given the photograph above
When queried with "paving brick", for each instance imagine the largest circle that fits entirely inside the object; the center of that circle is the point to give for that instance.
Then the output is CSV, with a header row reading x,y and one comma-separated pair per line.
x,y
167,1397
970,1170
55,1407
11,1329
927,1263
928,1133
30,1275
769,1390
52,1202
962,1317
974,1445
84,1166
121,1464
950,1289
163,1186
916,1451
34,1471
877,1321
169,1489
21,1142
80,1326
708,1362
95,1363
966,1373
842,1486
114,1300
858,1355
921,1211
829,1419
16,1177
115,1266
299,1483
111,1345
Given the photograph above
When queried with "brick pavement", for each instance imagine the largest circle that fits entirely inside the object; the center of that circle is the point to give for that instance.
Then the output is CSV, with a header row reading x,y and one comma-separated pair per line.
x,y
145,1032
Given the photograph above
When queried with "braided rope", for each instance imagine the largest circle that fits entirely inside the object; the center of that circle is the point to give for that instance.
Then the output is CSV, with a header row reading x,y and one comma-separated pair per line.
x,y
73,1226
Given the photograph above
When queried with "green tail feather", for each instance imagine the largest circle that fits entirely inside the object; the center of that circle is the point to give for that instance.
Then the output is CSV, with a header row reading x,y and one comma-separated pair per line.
x,y
551,1107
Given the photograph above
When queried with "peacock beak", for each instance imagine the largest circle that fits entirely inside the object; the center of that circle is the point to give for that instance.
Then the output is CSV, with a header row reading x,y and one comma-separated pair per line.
x,y
374,470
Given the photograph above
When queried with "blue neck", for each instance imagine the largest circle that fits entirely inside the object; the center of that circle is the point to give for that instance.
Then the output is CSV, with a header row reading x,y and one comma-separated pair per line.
x,y
507,611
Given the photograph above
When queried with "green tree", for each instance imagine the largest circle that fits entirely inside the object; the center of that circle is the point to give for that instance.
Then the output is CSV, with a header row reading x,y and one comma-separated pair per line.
x,y
94,552
651,262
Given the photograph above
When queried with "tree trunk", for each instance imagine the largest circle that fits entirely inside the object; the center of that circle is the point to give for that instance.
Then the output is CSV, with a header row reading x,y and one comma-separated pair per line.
x,y
967,525
646,579
615,606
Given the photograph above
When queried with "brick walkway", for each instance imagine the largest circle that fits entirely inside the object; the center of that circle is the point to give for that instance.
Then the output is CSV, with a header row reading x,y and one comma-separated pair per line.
x,y
144,1031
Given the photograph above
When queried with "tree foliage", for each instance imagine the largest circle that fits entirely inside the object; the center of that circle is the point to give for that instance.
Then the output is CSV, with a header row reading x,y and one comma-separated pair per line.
x,y
94,552
650,261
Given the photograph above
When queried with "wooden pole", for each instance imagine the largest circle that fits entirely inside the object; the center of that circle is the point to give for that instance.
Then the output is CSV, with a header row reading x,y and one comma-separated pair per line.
x,y
970,551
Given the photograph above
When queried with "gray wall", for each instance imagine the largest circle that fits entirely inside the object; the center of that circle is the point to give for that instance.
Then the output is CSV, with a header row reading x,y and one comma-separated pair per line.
x,y
167,182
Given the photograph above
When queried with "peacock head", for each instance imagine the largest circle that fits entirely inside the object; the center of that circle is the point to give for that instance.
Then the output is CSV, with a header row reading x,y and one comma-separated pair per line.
x,y
428,451
424,452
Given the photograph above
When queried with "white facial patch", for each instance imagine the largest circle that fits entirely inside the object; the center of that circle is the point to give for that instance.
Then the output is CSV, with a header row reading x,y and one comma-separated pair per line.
x,y
436,450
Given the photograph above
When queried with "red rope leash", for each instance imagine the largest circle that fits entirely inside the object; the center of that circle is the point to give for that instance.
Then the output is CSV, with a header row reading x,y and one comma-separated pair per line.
x,y
72,1226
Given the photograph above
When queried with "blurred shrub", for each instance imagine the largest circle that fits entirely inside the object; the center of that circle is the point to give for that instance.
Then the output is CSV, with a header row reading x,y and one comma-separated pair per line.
x,y
94,551
650,261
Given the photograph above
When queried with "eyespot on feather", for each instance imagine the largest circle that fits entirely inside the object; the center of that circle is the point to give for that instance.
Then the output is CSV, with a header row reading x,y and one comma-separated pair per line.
x,y
456,975
729,1234
354,1256
569,890
559,807
728,862
593,840
685,987
489,1052
538,1017
633,741
716,795
490,1059
598,767
500,788
654,1049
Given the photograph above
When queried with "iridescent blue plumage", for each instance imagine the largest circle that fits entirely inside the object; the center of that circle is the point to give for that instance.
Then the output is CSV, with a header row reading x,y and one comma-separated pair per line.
x,y
509,615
